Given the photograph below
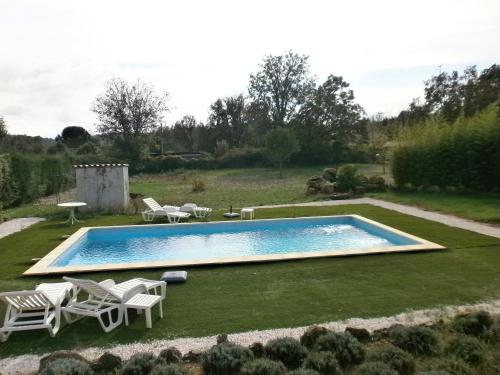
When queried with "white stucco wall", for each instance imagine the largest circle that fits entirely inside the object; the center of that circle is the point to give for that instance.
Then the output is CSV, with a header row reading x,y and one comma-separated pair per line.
x,y
103,187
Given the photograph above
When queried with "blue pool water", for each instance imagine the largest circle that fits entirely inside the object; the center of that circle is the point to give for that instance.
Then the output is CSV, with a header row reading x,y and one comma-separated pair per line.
x,y
226,239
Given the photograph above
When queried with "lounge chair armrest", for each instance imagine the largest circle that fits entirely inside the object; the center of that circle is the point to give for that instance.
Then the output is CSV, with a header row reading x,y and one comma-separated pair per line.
x,y
108,283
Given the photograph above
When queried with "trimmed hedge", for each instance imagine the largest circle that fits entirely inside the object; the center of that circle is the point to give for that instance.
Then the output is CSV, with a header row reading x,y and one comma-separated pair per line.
x,y
463,155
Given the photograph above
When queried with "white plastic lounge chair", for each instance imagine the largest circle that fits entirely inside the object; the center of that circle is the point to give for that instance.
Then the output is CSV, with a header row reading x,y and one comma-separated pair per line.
x,y
154,209
106,299
34,309
197,211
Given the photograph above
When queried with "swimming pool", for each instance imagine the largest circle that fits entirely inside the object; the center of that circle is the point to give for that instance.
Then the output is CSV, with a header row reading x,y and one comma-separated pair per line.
x,y
163,245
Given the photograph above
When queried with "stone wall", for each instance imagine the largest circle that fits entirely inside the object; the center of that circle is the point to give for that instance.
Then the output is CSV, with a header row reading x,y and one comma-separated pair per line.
x,y
104,187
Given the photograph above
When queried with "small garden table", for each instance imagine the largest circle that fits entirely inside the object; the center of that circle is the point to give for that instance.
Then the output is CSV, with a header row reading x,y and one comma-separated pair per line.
x,y
247,212
72,205
144,302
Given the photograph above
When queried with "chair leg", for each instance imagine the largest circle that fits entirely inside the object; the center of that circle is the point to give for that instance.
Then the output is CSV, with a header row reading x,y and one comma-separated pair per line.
x,y
57,323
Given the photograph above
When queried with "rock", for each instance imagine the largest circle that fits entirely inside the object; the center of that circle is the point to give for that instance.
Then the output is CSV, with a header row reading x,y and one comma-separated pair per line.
x,y
360,333
222,338
257,349
316,182
328,188
338,196
193,356
311,191
309,337
107,364
376,180
329,174
63,354
171,355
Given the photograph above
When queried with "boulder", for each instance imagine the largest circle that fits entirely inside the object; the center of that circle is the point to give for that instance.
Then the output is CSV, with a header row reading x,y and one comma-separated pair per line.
x,y
328,188
257,349
193,356
311,191
339,196
360,333
222,338
309,337
316,182
107,364
171,355
329,174
62,354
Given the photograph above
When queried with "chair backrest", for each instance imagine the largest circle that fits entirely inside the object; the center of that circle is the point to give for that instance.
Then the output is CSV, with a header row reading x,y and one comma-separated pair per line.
x,y
93,288
26,300
152,204
190,205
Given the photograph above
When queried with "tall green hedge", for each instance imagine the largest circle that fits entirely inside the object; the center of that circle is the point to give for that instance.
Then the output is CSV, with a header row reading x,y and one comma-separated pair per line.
x,y
24,178
463,155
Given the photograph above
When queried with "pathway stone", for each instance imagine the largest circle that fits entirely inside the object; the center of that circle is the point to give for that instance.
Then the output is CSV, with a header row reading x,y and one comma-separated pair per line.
x,y
450,220
17,225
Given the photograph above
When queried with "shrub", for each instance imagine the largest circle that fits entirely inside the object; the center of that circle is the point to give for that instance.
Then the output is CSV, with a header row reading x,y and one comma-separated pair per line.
x,y
168,369
449,367
468,349
302,371
375,368
476,324
257,349
140,364
66,366
397,359
225,359
287,350
107,364
416,340
347,349
308,339
171,355
221,147
322,362
243,157
198,184
347,178
263,366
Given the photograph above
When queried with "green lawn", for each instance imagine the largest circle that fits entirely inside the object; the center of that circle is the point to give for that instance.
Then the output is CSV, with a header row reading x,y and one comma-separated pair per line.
x,y
479,207
294,293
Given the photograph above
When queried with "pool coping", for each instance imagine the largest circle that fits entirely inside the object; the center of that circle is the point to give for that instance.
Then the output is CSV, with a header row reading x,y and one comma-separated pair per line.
x,y
43,267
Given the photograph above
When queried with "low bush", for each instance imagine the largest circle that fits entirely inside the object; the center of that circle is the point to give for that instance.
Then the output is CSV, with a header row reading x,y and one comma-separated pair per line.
x,y
416,340
323,362
347,178
308,339
449,366
198,184
263,366
399,360
257,349
140,364
476,324
469,349
225,359
107,364
66,366
375,368
168,369
302,371
171,355
287,350
348,350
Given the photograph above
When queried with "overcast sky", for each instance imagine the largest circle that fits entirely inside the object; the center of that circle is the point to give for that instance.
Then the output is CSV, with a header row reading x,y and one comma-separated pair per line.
x,y
55,56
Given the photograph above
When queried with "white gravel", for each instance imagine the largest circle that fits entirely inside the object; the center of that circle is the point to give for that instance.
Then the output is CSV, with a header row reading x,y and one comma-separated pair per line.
x,y
29,363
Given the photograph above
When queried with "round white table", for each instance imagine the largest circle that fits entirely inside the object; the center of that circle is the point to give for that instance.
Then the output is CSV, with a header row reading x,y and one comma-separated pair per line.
x,y
72,205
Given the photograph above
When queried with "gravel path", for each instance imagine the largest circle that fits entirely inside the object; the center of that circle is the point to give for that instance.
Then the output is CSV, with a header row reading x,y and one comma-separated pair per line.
x,y
450,220
29,363
16,225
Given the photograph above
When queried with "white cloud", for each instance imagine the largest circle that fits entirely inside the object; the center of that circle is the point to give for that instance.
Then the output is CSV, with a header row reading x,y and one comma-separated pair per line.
x,y
57,55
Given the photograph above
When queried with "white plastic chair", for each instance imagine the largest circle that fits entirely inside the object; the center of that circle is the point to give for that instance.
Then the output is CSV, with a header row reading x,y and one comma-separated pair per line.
x,y
197,211
173,214
34,309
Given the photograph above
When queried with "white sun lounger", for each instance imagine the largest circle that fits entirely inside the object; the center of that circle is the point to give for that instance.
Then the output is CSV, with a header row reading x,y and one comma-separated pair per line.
x,y
173,214
106,300
34,309
197,211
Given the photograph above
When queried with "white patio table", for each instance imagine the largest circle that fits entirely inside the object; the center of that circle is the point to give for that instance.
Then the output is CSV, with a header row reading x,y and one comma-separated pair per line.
x,y
72,205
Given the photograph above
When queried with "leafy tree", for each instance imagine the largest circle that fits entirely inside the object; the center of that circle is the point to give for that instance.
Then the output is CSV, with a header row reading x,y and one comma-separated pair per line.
x,y
3,128
281,144
127,112
329,116
185,133
74,136
227,120
281,86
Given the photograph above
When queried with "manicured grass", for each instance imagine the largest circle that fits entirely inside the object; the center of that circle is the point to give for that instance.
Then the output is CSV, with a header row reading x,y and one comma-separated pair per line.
x,y
239,298
478,207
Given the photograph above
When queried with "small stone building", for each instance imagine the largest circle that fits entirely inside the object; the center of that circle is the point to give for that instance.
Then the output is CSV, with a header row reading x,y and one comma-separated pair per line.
x,y
104,187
